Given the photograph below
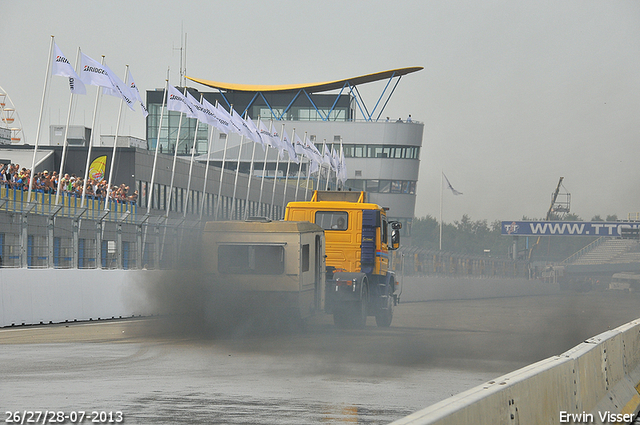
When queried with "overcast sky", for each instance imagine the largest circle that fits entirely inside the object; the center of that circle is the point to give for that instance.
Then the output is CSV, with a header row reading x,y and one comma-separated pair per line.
x,y
513,94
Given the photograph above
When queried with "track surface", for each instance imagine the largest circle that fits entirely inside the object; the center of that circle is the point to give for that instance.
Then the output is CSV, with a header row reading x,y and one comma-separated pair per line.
x,y
157,371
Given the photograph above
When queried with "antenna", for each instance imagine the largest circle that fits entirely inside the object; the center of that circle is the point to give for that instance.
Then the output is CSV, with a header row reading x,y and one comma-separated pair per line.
x,y
183,55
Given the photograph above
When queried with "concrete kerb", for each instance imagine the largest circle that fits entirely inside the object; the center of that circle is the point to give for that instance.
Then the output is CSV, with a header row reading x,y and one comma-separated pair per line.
x,y
602,374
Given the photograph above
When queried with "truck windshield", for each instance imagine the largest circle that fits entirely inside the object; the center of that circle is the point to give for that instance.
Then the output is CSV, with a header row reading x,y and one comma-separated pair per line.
x,y
251,259
332,220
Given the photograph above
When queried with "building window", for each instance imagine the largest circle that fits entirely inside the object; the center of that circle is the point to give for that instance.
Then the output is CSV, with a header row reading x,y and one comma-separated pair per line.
x,y
372,185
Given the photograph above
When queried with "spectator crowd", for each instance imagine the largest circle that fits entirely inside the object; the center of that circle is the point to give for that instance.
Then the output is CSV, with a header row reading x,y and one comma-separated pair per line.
x,y
14,177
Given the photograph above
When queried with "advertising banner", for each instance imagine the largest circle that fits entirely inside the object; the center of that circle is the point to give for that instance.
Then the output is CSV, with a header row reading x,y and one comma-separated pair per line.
x,y
566,228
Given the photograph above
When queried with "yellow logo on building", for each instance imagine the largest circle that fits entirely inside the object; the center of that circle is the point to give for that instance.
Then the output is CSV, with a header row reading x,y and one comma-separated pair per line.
x,y
96,170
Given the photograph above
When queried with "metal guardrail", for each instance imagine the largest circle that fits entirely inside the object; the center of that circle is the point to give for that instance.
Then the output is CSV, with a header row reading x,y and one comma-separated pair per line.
x,y
15,200
108,235
584,250
420,261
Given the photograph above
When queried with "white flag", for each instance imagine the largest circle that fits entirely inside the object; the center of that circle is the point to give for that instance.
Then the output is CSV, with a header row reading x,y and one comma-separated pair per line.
x,y
455,192
299,146
214,117
288,146
240,124
61,66
136,94
94,73
335,161
342,175
203,114
267,135
119,89
255,133
206,112
317,156
225,119
179,103
326,155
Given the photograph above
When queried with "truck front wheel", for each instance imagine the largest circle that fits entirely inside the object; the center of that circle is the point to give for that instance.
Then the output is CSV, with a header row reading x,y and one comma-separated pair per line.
x,y
385,316
359,310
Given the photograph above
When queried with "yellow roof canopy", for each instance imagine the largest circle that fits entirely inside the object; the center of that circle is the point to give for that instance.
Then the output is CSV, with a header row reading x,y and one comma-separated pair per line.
x,y
310,88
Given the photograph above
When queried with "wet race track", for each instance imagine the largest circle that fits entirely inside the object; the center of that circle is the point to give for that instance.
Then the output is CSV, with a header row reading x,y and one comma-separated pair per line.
x,y
155,371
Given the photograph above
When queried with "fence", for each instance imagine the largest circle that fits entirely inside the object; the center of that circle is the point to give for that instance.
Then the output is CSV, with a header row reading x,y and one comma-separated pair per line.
x,y
413,261
111,235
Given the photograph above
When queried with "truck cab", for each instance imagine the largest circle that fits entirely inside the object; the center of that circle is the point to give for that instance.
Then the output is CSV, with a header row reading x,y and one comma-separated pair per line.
x,y
359,280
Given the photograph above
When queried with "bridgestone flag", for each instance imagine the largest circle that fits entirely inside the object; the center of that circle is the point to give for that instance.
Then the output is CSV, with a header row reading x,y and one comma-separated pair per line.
x,y
179,103
136,95
291,150
96,74
225,120
61,66
119,89
256,136
240,124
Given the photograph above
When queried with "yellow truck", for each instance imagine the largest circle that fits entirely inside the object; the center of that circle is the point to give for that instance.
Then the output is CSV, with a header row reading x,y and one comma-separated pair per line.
x,y
359,281
263,266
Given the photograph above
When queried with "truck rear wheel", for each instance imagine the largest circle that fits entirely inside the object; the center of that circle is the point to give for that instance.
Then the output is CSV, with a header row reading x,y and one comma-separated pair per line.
x,y
340,317
352,314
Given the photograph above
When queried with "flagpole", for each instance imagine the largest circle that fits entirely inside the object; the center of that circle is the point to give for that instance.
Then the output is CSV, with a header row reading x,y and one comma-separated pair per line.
x,y
175,157
66,134
115,142
206,169
329,165
155,157
337,170
35,147
93,131
224,157
340,170
286,177
441,185
299,170
253,155
320,167
235,182
264,170
275,177
193,151
306,189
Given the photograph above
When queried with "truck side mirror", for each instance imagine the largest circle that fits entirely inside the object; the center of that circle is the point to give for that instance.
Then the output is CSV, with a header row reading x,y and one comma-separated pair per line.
x,y
395,239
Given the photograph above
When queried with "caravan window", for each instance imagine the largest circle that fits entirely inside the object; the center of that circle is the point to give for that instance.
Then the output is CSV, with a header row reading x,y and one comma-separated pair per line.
x,y
251,259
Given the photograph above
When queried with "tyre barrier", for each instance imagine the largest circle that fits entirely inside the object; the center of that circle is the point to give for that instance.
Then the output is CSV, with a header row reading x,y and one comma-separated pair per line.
x,y
596,382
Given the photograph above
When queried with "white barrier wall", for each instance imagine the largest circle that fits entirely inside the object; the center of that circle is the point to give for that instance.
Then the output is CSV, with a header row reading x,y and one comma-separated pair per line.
x,y
598,377
429,288
47,295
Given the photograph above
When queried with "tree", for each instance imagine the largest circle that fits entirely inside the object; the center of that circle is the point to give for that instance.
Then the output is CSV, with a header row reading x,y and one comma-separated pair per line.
x,y
467,236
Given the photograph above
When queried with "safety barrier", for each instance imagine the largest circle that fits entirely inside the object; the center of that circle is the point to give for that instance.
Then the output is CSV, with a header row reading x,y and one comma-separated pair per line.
x,y
597,381
56,296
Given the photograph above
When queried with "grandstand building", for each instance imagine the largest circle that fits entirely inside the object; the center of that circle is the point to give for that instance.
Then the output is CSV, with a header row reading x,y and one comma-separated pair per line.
x,y
382,155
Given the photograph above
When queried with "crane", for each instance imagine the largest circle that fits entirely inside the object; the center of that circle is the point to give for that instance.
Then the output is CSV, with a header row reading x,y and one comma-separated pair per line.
x,y
558,208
